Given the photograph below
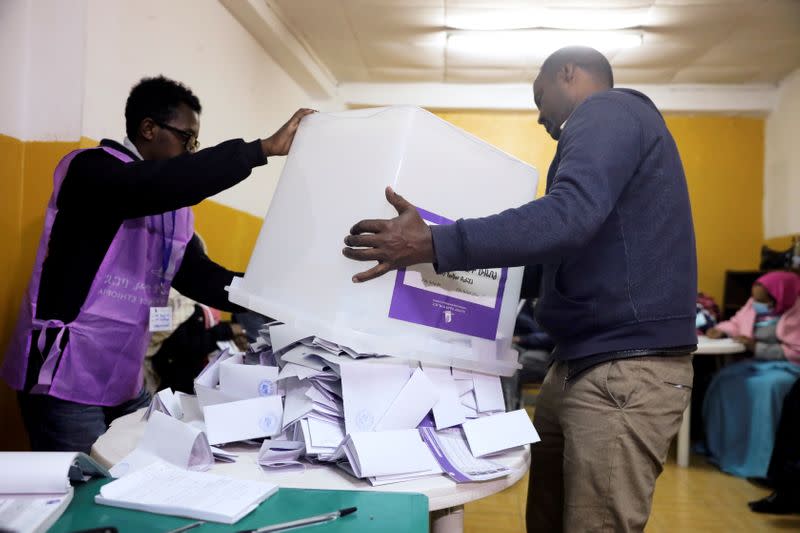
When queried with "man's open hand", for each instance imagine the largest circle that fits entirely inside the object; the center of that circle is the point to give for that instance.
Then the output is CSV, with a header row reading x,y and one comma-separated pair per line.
x,y
279,142
400,242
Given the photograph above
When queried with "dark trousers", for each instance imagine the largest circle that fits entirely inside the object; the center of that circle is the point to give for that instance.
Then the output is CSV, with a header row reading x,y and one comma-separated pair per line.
x,y
60,425
784,465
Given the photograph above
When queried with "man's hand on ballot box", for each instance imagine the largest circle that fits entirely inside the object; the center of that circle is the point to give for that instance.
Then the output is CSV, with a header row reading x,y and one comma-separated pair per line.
x,y
402,241
280,141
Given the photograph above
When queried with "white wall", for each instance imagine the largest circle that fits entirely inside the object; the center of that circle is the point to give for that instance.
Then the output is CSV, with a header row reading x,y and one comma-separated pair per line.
x,y
782,162
244,93
41,68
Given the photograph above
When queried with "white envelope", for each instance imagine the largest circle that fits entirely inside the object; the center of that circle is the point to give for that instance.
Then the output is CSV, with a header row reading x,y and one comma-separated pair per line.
x,y
468,400
282,336
305,432
324,433
305,356
165,402
190,406
368,390
297,403
495,433
293,370
448,411
321,399
211,396
243,419
464,386
410,406
488,393
387,453
248,381
209,376
168,439
332,347
462,374
334,385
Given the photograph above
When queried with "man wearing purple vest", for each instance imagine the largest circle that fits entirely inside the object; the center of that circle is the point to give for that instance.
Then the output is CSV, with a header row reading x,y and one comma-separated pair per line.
x,y
118,233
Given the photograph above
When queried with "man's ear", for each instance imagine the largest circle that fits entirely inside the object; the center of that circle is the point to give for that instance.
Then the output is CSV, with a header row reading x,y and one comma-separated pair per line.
x,y
147,129
567,72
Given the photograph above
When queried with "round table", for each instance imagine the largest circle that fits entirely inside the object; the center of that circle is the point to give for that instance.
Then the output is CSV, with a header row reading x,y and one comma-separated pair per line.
x,y
446,498
705,346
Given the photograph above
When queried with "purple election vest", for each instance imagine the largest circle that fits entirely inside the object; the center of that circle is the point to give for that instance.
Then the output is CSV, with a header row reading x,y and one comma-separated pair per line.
x,y
101,363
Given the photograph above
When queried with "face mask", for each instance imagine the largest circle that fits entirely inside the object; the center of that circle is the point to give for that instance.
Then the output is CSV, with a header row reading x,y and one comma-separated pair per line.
x,y
700,320
761,308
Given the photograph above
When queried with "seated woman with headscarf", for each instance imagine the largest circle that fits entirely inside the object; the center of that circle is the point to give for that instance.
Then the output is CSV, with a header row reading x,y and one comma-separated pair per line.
x,y
743,403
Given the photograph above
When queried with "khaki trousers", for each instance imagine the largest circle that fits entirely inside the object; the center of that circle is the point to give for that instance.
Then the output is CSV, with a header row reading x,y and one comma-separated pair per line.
x,y
605,436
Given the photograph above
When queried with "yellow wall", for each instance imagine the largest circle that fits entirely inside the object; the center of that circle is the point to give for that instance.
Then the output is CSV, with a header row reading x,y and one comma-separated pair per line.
x,y
26,170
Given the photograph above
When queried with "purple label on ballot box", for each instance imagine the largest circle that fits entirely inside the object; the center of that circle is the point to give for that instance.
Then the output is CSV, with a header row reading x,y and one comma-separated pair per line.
x,y
462,302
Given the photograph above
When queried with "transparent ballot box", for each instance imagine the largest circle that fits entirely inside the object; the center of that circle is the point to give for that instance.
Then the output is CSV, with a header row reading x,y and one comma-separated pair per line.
x,y
334,176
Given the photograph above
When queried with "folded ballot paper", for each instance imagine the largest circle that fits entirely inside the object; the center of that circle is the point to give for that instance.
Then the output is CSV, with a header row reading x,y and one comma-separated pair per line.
x,y
377,454
170,440
166,489
36,488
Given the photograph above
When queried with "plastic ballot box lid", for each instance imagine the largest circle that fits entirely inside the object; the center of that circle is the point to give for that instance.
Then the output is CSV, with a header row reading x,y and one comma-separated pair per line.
x,y
335,175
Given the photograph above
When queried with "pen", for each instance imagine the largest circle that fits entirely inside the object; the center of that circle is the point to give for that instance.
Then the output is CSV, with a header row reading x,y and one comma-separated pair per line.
x,y
187,527
327,517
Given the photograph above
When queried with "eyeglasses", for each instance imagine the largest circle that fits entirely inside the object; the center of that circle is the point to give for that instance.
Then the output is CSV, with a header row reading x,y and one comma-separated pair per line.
x,y
190,141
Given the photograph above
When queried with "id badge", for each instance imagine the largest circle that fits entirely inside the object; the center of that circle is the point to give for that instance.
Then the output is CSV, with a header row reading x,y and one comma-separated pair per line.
x,y
160,319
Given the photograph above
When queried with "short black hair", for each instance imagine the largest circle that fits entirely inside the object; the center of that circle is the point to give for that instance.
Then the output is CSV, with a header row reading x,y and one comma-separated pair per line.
x,y
587,58
156,98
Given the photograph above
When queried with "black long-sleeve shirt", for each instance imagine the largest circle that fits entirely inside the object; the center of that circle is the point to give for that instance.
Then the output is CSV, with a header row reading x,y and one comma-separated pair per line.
x,y
99,192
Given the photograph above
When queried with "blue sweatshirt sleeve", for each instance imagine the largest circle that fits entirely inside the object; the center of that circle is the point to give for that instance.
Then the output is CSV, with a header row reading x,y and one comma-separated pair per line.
x,y
601,147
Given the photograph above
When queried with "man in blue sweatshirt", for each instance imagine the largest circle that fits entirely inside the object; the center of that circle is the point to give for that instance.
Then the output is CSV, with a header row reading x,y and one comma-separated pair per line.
x,y
614,243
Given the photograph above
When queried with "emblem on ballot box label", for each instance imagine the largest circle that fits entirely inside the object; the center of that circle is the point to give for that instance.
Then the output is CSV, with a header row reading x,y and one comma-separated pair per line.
x,y
465,302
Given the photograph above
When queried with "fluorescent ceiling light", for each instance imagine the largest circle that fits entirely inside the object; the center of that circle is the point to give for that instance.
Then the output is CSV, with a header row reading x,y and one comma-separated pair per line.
x,y
538,42
552,18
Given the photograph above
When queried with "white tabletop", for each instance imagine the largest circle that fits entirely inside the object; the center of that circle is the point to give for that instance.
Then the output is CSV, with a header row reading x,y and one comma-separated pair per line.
x,y
706,346
442,492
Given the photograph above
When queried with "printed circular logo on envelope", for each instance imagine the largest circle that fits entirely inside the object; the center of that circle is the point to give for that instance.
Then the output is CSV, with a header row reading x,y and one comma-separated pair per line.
x,y
268,423
364,420
266,388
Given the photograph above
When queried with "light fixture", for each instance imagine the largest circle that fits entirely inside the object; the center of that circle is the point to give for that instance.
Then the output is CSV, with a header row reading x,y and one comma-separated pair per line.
x,y
550,18
538,42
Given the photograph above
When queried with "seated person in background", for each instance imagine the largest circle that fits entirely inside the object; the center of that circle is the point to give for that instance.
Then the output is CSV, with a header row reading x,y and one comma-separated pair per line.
x,y
704,367
707,313
784,466
743,403
174,358
769,323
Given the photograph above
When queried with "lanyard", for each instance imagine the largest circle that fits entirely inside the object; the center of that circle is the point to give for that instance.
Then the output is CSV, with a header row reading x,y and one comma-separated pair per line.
x,y
166,245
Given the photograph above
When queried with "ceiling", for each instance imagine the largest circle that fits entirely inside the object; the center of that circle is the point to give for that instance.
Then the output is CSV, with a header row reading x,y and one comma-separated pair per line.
x,y
683,41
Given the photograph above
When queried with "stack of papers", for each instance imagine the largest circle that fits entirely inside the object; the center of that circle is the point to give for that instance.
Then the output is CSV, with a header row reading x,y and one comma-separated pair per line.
x,y
35,487
387,456
302,398
166,489
451,452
